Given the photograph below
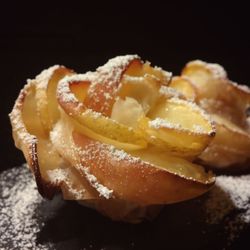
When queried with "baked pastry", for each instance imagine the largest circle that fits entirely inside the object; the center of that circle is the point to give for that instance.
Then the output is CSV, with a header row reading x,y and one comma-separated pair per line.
x,y
119,139
228,105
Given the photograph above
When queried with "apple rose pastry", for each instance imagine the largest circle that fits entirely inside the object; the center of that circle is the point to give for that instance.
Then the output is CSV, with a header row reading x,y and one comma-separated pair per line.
x,y
119,139
228,105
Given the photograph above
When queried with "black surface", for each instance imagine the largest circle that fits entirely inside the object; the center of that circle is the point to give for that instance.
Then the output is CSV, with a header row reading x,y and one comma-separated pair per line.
x,y
66,225
35,35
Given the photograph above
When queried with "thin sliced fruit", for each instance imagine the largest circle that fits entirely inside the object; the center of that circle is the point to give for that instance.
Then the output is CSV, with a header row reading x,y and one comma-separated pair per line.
x,y
184,86
91,120
46,84
145,90
227,103
117,170
179,126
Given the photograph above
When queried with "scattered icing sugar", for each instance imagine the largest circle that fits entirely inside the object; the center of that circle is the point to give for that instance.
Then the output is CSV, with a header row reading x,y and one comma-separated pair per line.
x,y
56,137
196,108
43,78
107,96
102,190
87,77
16,118
63,175
169,92
94,114
57,175
106,151
111,72
133,79
63,88
167,75
229,202
22,210
19,128
119,154
161,123
118,63
64,92
24,213
241,87
109,75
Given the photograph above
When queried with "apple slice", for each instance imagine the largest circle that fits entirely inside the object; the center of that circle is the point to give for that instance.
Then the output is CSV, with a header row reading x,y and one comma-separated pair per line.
x,y
179,126
46,84
102,91
222,152
51,172
216,93
93,123
144,89
163,76
227,103
127,112
139,69
136,180
184,86
103,128
228,132
221,157
205,77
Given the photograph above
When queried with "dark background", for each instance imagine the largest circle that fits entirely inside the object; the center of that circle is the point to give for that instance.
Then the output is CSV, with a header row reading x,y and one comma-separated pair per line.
x,y
82,35
36,35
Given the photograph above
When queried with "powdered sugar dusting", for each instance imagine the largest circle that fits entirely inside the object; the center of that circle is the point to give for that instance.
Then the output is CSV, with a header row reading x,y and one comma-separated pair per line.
x,y
103,191
196,108
118,63
44,77
24,214
94,114
63,88
241,87
169,92
161,123
16,118
103,89
104,152
120,155
167,75
64,92
58,175
229,202
20,215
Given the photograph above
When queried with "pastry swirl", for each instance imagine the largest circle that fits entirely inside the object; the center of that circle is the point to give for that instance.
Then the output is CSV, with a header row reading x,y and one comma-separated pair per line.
x,y
118,139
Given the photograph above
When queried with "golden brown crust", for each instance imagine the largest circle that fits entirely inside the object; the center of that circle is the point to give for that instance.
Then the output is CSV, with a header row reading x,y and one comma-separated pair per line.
x,y
131,178
62,122
28,144
227,103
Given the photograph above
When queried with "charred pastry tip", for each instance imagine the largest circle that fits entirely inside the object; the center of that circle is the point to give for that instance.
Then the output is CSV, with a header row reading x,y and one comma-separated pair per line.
x,y
212,133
